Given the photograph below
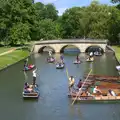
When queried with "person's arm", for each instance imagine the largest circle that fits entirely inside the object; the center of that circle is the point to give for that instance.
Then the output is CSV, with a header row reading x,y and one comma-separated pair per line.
x,y
35,70
99,90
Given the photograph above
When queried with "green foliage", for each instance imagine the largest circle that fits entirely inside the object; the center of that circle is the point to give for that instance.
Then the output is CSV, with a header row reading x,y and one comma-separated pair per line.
x,y
24,20
47,29
115,1
19,34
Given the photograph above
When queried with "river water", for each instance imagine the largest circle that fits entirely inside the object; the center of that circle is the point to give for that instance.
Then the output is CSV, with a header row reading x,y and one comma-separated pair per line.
x,y
53,103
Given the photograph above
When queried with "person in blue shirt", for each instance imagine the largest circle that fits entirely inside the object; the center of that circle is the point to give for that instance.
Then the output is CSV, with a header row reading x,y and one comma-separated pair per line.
x,y
62,58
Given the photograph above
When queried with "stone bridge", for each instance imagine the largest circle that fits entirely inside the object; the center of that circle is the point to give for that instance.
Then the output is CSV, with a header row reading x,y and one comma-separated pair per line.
x,y
59,45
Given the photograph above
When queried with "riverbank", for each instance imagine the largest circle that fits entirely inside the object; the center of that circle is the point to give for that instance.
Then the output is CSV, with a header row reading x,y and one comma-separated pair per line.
x,y
13,57
117,52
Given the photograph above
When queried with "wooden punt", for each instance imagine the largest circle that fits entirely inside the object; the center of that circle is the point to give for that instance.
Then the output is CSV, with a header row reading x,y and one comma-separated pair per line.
x,y
93,99
33,94
90,60
61,66
77,62
50,60
97,53
103,77
103,86
29,68
104,91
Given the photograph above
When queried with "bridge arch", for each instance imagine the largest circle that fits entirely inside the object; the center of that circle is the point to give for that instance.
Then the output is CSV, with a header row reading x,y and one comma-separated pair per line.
x,y
72,46
41,49
93,48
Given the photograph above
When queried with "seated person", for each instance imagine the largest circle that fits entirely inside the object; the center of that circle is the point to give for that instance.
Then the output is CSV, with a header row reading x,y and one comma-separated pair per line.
x,y
30,66
96,90
26,85
59,64
62,62
30,89
25,67
51,58
111,92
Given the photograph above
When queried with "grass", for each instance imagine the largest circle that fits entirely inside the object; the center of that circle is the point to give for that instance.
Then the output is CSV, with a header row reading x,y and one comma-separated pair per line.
x,y
117,51
12,58
4,49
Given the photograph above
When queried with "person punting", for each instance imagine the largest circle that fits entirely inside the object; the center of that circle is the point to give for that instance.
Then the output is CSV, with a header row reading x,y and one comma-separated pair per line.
x,y
71,82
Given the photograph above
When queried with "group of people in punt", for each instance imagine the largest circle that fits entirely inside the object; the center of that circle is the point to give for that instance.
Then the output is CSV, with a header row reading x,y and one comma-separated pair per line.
x,y
96,90
33,87
26,66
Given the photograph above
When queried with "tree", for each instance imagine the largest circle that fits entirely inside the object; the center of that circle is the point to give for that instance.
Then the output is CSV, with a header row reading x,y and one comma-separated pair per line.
x,y
47,29
19,34
115,1
50,12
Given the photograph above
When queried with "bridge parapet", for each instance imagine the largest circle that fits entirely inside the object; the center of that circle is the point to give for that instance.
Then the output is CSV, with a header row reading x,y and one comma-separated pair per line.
x,y
71,41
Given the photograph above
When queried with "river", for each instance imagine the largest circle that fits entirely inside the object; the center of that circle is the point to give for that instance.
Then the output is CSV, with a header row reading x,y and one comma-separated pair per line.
x,y
53,103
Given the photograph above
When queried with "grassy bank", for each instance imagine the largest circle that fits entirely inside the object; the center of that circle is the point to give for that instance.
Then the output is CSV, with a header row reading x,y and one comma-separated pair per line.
x,y
13,57
5,49
117,51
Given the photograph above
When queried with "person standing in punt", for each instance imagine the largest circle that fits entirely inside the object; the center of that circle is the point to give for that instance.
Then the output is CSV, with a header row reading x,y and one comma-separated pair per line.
x,y
90,55
34,76
62,58
79,85
77,58
26,64
50,53
71,82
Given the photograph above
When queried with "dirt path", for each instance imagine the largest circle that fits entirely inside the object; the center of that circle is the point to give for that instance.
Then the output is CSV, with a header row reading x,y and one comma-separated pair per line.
x,y
9,51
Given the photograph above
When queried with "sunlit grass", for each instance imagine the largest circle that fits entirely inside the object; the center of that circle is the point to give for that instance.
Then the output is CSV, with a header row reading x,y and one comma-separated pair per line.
x,y
4,49
117,51
13,57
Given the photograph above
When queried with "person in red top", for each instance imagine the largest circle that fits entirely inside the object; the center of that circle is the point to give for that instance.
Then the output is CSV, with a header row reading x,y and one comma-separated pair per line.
x,y
79,85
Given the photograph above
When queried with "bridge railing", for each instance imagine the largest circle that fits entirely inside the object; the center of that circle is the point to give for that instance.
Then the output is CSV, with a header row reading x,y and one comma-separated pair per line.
x,y
71,41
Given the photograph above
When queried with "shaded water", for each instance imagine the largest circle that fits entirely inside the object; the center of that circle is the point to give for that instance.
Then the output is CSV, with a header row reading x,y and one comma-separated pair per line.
x,y
53,103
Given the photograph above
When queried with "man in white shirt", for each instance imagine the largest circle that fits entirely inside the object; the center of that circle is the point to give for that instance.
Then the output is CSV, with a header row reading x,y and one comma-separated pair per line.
x,y
96,90
91,54
34,76
50,53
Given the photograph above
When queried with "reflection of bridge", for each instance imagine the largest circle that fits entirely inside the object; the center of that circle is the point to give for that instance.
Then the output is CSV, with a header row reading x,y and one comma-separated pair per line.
x,y
59,45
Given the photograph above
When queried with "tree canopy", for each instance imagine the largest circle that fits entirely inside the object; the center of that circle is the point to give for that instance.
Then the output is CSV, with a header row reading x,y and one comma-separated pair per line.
x,y
115,1
24,20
